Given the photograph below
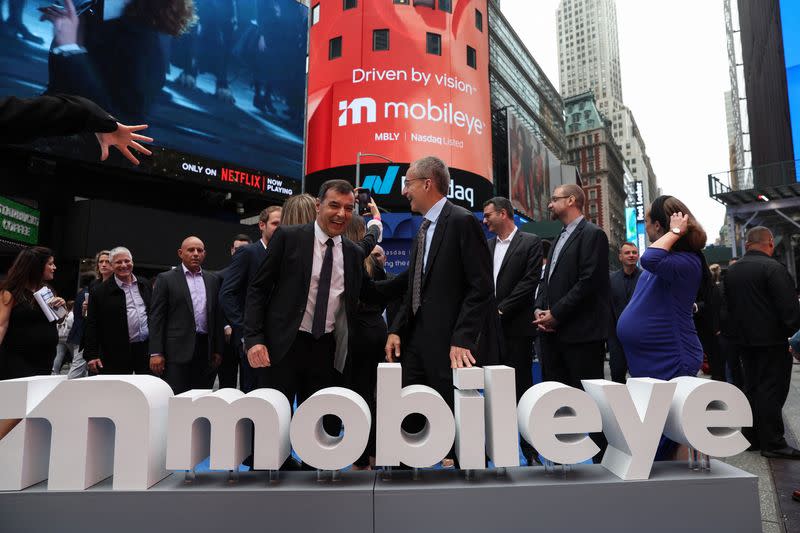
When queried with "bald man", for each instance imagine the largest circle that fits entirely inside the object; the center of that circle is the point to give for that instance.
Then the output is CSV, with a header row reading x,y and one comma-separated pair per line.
x,y
186,323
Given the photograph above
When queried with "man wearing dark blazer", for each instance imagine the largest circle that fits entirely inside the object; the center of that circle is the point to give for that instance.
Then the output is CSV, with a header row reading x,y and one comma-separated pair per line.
x,y
572,307
763,313
305,291
117,331
622,284
229,368
516,265
25,119
238,277
443,321
186,324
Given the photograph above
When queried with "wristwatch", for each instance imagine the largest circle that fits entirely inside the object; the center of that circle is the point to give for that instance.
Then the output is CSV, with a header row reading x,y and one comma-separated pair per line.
x,y
676,231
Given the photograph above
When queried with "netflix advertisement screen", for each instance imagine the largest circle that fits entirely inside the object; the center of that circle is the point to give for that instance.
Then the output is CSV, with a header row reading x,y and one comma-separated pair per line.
x,y
400,80
223,94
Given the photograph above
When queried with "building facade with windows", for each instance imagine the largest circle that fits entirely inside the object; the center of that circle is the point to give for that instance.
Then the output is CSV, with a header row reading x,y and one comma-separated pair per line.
x,y
589,60
592,149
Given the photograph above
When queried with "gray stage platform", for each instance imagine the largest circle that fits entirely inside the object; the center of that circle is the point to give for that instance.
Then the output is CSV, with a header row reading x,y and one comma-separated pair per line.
x,y
526,499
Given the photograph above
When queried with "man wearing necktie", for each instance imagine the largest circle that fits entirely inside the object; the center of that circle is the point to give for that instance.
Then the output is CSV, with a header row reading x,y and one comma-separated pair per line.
x,y
442,323
307,287
572,305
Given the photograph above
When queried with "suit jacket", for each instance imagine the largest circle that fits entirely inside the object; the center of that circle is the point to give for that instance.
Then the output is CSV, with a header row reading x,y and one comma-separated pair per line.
x,y
172,327
619,298
106,334
79,321
277,297
238,277
516,283
23,120
761,301
577,292
456,291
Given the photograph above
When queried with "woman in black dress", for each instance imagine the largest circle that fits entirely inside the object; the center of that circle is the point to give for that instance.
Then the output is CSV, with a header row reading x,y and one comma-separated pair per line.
x,y
27,339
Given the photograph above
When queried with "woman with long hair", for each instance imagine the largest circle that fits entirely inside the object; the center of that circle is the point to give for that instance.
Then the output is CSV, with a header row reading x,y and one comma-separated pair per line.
x,y
656,329
27,339
299,209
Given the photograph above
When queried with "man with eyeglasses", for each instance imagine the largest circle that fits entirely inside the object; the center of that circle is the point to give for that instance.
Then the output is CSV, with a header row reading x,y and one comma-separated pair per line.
x,y
448,301
572,306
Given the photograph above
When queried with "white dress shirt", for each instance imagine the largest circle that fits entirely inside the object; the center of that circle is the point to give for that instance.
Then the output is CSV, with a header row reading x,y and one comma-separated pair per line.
x,y
500,250
432,215
337,281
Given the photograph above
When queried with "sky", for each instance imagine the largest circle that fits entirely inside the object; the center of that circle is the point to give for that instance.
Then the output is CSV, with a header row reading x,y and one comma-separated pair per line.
x,y
674,67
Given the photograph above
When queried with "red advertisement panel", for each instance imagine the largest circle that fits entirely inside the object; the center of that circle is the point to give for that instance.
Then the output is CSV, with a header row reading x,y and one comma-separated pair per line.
x,y
400,80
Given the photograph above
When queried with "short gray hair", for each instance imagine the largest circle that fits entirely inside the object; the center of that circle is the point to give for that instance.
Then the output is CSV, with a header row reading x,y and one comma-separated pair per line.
x,y
119,250
434,169
758,235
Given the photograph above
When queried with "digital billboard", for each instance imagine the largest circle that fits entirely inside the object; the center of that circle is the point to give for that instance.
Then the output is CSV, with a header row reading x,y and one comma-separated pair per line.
x,y
530,164
224,98
402,80
790,23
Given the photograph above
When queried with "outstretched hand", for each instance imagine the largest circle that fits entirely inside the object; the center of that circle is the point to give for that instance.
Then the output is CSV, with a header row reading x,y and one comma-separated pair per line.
x,y
124,138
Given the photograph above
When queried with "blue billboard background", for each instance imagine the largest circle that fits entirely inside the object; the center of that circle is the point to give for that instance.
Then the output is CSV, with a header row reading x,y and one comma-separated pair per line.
x,y
790,22
231,90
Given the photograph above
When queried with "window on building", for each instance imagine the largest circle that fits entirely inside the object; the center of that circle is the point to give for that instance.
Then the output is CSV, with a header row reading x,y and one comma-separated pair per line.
x,y
433,43
472,57
315,14
380,40
592,195
479,20
335,48
349,4
425,3
446,5
404,2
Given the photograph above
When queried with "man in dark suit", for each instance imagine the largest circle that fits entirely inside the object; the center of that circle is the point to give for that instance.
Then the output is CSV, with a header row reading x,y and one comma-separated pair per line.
x,y
186,335
623,283
307,288
572,307
448,301
25,119
117,330
763,313
238,277
229,368
516,265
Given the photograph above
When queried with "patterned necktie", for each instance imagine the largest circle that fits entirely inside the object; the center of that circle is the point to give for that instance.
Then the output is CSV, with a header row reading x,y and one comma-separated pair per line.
x,y
416,294
323,291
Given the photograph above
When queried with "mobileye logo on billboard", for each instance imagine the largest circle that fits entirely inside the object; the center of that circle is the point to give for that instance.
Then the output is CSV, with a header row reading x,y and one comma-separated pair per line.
x,y
402,110
383,185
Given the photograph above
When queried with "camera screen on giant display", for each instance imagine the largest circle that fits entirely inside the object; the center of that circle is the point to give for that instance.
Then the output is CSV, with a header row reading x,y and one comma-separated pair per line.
x,y
220,82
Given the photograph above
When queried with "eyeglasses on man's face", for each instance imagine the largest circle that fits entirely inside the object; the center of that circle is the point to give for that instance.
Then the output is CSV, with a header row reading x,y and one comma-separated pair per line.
x,y
554,199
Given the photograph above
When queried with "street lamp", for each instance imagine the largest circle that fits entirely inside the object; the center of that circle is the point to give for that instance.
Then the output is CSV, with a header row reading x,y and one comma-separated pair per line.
x,y
358,164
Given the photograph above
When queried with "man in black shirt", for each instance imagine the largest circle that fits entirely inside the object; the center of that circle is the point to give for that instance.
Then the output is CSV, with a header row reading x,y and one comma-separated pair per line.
x,y
763,312
623,283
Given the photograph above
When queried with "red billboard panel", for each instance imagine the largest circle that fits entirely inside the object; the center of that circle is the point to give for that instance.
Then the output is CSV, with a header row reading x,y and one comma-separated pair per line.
x,y
400,80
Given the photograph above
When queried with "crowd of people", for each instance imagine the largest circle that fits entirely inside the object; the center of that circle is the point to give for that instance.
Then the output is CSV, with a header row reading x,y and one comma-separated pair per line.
x,y
309,305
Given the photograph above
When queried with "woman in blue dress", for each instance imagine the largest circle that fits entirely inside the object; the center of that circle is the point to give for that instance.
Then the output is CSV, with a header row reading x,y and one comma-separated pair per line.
x,y
656,329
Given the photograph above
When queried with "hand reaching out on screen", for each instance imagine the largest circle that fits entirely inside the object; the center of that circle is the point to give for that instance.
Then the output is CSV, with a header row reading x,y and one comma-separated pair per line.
x,y
124,138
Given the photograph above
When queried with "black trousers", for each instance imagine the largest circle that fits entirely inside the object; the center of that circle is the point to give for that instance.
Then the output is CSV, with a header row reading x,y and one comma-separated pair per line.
x,y
229,369
366,351
569,363
729,351
518,354
136,361
617,361
306,368
193,374
767,373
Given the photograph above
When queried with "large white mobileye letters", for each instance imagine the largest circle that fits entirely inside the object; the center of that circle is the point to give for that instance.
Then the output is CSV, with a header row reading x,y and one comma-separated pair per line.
x,y
554,418
314,445
502,442
708,416
25,450
633,415
394,403
103,425
469,411
228,439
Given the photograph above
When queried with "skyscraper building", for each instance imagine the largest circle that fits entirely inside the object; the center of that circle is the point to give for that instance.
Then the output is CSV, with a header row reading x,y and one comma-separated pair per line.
x,y
588,54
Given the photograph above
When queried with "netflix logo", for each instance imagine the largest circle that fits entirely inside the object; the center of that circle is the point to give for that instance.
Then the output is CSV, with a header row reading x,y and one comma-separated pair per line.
x,y
243,178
